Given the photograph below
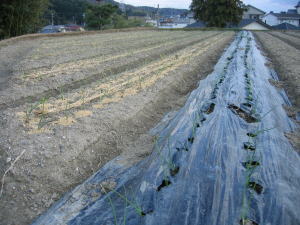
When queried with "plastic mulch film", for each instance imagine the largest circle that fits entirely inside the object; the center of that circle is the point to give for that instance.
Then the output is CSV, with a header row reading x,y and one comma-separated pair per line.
x,y
223,159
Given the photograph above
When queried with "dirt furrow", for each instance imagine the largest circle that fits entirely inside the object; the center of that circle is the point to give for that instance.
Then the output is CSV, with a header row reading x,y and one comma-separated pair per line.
x,y
42,59
294,34
286,61
294,42
37,92
111,43
112,89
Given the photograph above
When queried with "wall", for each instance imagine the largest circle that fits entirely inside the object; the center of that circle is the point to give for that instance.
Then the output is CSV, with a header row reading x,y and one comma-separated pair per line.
x,y
293,22
255,26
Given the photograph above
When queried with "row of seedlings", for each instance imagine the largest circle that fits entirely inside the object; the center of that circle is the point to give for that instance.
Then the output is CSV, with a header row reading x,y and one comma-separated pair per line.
x,y
250,146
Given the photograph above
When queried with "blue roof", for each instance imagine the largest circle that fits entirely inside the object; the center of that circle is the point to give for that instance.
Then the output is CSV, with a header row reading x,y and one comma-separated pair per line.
x,y
199,24
285,26
292,11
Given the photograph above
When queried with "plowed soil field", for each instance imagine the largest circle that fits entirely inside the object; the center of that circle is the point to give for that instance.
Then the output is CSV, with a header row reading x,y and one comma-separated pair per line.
x,y
70,104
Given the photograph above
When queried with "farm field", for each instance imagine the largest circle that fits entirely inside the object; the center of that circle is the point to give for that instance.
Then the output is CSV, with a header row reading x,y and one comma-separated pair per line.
x,y
283,50
74,103
226,157
71,104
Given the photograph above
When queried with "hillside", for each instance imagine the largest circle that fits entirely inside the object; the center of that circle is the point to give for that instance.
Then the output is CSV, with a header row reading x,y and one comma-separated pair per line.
x,y
146,9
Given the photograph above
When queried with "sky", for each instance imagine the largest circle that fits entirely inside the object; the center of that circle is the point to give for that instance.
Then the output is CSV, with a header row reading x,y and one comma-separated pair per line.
x,y
266,5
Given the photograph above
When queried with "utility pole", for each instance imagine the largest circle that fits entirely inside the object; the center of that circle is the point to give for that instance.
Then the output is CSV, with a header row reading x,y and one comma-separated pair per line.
x,y
83,15
157,15
52,18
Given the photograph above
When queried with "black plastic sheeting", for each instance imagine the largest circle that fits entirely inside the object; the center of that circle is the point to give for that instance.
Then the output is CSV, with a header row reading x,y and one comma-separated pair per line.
x,y
223,159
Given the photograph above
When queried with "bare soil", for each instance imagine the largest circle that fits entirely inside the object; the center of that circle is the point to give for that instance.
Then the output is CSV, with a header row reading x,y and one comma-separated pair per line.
x,y
65,138
289,39
285,59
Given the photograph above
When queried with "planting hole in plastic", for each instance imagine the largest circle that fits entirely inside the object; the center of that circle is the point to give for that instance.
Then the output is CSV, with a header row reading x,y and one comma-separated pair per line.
x,y
243,114
144,213
164,183
191,140
250,164
210,109
249,146
256,187
251,135
174,171
247,222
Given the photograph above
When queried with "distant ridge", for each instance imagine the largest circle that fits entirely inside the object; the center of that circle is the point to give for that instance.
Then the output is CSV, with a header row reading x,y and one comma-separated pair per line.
x,y
146,9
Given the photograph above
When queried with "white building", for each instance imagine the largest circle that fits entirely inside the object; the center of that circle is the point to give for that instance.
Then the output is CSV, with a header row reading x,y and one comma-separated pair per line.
x,y
291,17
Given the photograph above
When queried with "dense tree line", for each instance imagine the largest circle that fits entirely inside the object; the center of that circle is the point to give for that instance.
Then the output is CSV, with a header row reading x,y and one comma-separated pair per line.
x,y
19,17
98,16
107,16
218,13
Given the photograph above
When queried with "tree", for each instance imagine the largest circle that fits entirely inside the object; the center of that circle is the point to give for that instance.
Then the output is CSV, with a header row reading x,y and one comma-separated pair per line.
x,y
120,21
97,16
67,11
217,13
19,17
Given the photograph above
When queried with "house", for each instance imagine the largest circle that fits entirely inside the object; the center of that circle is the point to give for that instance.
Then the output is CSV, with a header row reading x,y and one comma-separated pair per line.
x,y
251,21
253,13
291,16
245,24
53,29
73,28
251,24
190,17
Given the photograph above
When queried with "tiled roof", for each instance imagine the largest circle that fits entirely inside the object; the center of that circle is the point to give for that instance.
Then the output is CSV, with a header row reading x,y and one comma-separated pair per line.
x,y
286,15
286,26
257,8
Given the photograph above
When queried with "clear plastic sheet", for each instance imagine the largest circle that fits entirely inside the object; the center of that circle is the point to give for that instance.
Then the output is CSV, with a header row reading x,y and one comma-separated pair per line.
x,y
222,159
